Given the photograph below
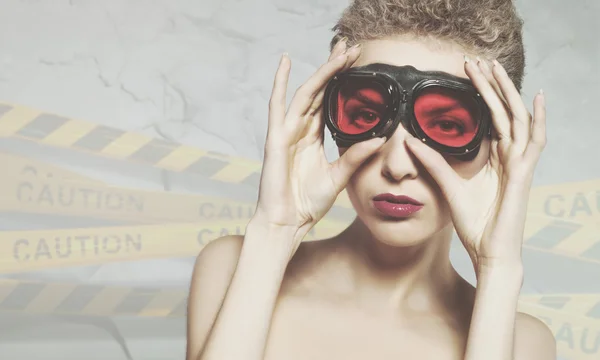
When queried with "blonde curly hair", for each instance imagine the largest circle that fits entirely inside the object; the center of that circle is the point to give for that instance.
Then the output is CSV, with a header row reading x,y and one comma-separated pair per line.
x,y
491,29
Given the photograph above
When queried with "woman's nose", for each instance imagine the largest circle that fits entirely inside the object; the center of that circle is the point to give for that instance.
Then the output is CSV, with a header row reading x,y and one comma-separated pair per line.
x,y
398,161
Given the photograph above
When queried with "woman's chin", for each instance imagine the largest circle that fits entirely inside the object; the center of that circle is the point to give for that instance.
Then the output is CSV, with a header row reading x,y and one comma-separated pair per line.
x,y
398,235
405,232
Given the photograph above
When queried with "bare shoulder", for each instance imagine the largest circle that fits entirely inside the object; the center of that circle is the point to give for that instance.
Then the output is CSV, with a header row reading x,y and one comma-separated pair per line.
x,y
214,269
533,339
216,262
318,270
221,252
212,275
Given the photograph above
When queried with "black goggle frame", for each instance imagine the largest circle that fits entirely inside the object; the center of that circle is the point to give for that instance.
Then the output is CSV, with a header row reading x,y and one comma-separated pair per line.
x,y
400,108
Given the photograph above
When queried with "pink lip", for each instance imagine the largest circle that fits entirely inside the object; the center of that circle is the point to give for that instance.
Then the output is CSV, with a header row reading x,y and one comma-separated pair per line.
x,y
396,206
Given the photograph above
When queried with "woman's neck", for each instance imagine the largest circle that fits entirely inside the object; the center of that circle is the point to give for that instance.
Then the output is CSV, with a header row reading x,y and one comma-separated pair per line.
x,y
414,278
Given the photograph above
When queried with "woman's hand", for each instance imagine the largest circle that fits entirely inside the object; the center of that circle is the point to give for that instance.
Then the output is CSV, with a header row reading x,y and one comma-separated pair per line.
x,y
489,210
298,185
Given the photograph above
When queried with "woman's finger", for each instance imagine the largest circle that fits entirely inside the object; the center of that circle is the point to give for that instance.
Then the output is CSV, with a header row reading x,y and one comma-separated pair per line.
x,y
338,49
487,72
444,175
315,114
500,117
317,102
537,143
306,93
521,121
342,169
278,93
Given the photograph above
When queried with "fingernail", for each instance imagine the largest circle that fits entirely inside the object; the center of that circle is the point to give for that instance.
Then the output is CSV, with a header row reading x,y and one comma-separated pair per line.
x,y
283,57
379,142
541,91
467,59
343,39
355,46
485,64
478,59
495,62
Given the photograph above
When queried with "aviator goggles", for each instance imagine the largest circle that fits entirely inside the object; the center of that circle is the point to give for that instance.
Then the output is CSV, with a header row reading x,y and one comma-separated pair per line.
x,y
444,111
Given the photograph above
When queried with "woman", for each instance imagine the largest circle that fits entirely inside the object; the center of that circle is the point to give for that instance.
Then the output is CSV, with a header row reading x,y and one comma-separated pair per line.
x,y
384,288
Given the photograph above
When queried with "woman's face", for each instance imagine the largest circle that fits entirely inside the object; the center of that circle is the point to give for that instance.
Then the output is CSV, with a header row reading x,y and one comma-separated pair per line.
x,y
393,169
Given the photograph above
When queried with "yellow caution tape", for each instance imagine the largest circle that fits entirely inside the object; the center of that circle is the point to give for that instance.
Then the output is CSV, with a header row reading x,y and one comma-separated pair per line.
x,y
573,319
31,193
34,187
14,165
28,188
59,131
572,201
90,299
41,249
580,241
44,249
562,219
578,201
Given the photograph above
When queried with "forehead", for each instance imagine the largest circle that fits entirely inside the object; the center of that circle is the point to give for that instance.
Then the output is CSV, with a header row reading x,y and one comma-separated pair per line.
x,y
423,54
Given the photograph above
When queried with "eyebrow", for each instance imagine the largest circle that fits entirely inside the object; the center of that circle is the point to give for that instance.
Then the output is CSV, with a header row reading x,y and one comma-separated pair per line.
x,y
357,94
444,109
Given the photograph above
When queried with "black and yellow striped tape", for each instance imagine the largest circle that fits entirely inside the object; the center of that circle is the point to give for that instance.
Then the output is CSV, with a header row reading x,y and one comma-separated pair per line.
x,y
578,201
53,248
29,186
39,297
192,220
562,219
572,201
84,136
60,131
580,241
90,299
573,319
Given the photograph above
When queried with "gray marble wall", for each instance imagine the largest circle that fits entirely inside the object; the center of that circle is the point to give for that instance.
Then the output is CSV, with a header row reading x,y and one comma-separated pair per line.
x,y
200,73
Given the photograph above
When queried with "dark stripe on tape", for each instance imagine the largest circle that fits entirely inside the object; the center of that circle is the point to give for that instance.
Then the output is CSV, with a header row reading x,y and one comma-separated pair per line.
x,y
98,138
136,301
252,180
553,234
180,310
217,154
79,298
154,151
555,302
4,109
206,166
594,251
21,296
594,312
42,126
